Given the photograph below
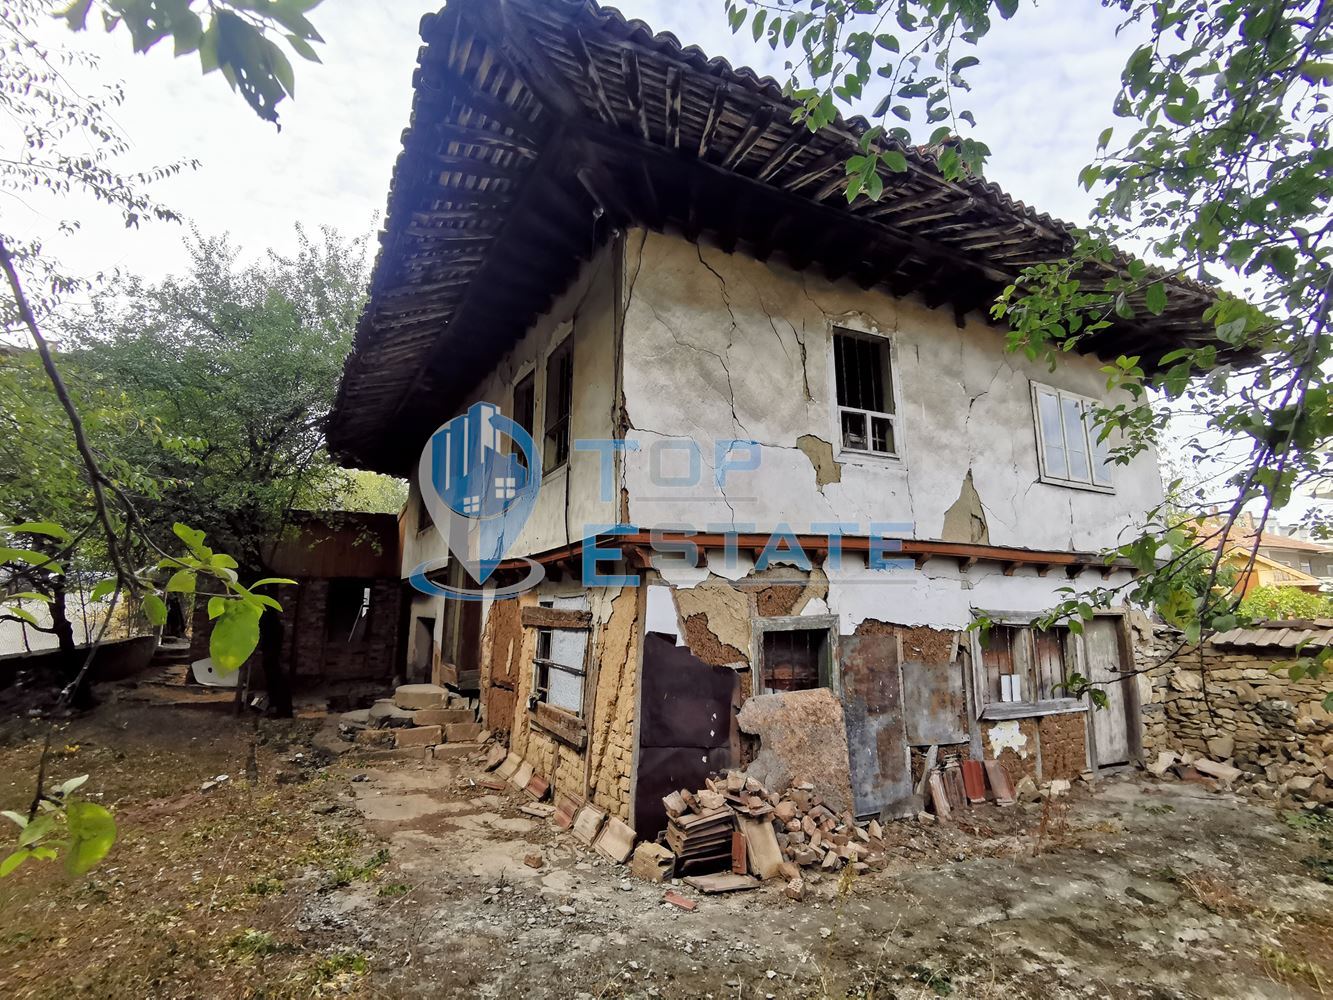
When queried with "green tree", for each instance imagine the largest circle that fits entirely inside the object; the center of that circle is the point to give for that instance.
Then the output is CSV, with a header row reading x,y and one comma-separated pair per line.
x,y
1220,172
1285,604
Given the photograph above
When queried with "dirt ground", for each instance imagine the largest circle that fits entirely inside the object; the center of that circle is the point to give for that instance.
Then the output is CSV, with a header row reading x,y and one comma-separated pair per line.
x,y
337,877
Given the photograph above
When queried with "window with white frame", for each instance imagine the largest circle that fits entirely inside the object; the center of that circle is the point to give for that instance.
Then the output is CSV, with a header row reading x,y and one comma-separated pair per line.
x,y
1067,444
560,667
1022,670
863,375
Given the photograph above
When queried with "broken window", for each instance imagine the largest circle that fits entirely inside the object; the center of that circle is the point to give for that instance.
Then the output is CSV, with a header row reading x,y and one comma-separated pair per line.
x,y
525,408
1067,442
559,402
795,659
560,668
347,611
1024,666
865,393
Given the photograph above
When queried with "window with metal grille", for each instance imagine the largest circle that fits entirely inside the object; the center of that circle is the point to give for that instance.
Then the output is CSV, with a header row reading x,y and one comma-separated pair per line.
x,y
525,407
560,668
865,393
795,659
1067,441
559,402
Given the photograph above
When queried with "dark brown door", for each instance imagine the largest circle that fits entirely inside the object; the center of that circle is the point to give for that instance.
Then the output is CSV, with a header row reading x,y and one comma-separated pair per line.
x,y
686,728
876,740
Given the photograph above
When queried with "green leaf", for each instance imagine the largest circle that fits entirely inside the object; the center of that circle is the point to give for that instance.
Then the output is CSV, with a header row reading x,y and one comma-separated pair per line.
x,y
1104,139
48,528
72,784
102,589
273,580
154,609
14,817
24,614
36,830
181,582
92,831
8,866
307,51
192,537
1155,298
234,637
216,606
894,160
76,14
1007,8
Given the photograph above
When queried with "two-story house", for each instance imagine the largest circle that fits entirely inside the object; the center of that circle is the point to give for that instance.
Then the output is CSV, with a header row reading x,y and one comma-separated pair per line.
x,y
633,252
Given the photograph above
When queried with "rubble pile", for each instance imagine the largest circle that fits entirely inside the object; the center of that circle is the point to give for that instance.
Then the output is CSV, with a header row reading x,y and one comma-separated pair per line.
x,y
737,826
416,716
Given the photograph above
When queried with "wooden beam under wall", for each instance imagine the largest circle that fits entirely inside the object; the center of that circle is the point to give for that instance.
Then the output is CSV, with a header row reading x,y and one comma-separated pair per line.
x,y
753,131
783,155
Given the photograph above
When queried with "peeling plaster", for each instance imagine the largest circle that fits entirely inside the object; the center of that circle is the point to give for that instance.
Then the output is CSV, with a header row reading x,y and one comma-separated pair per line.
x,y
726,609
965,521
1007,736
820,452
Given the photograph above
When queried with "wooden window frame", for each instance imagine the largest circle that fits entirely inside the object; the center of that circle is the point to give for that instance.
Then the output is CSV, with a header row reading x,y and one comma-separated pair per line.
x,y
568,726
1089,440
548,387
891,387
528,371
1028,708
828,671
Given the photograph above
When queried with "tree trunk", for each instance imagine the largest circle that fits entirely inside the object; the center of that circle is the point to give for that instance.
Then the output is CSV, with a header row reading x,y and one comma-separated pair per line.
x,y
71,658
270,657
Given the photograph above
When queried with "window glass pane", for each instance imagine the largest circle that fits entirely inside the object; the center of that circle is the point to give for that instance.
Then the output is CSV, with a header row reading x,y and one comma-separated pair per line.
x,y
1076,439
559,397
854,431
881,435
525,407
1101,459
861,372
1052,436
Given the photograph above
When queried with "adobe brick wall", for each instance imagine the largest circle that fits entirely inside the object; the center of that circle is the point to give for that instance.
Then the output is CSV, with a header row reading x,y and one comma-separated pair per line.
x,y
602,771
1239,705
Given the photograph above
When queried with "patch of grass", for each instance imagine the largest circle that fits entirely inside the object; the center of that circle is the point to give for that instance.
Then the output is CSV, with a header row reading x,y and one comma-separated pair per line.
x,y
1166,874
269,886
250,943
1321,867
394,889
1293,971
1310,821
347,873
938,980
1214,895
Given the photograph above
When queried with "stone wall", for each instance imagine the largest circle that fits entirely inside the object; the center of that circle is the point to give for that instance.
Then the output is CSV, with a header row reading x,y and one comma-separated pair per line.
x,y
1239,706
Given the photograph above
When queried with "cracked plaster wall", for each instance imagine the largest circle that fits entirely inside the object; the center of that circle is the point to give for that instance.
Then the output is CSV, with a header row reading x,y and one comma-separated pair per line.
x,y
569,497
721,346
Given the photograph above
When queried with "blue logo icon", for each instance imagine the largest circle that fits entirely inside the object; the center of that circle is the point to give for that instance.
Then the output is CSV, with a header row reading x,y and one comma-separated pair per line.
x,y
479,480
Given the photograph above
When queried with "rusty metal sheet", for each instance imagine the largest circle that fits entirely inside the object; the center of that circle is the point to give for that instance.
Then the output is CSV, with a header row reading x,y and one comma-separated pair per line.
x,y
933,703
876,740
686,727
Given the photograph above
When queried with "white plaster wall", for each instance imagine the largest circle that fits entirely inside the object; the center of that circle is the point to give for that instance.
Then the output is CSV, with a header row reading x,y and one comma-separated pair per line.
x,y
569,497
721,346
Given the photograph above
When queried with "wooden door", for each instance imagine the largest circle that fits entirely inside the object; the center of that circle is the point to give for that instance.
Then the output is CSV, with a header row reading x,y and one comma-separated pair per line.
x,y
872,701
1110,725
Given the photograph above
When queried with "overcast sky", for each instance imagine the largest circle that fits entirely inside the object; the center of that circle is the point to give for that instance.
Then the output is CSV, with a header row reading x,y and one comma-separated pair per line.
x,y
1042,94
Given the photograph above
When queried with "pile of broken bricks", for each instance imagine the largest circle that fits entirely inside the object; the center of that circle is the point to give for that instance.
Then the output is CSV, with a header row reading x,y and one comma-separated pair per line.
x,y
417,716
960,784
1212,774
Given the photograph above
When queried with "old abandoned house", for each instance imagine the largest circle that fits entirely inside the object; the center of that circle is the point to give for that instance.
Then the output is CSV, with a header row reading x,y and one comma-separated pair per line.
x,y
611,236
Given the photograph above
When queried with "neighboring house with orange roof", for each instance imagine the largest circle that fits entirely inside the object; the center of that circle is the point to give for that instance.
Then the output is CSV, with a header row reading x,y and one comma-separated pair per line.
x,y
1267,559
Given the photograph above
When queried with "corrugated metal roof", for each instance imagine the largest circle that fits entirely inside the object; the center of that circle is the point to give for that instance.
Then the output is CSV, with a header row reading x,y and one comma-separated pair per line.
x,y
1309,634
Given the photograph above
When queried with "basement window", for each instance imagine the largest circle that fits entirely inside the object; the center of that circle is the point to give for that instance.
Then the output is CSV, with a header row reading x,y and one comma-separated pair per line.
x,y
866,421
525,408
1067,444
560,666
1022,671
795,659
559,403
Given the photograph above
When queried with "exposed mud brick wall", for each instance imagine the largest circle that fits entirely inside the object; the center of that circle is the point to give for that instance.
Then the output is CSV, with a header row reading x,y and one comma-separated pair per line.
x,y
926,645
777,600
1239,705
1014,744
611,736
1064,745
705,645
602,769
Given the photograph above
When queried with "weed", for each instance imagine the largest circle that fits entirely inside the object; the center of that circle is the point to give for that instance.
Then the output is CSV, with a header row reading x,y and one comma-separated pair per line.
x,y
1317,821
939,980
1285,969
394,889
346,874
1321,867
1214,895
251,943
270,886
1158,810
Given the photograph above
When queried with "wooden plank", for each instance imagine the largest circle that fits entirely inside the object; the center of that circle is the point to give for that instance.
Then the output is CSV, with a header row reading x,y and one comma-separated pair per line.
x,y
535,616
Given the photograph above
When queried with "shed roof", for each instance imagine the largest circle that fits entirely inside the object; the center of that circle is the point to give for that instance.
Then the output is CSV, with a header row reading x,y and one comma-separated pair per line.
x,y
1292,636
538,126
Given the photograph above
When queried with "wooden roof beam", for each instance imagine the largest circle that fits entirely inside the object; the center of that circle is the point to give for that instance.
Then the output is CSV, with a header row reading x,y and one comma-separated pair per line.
x,y
589,64
629,62
750,135
674,81
470,135
436,103
710,123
